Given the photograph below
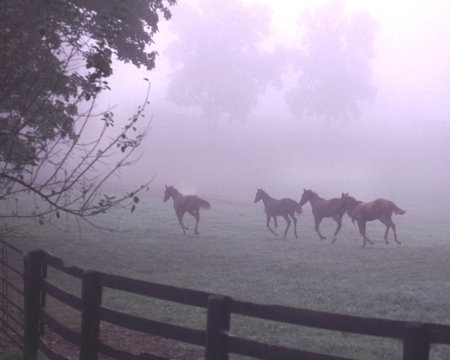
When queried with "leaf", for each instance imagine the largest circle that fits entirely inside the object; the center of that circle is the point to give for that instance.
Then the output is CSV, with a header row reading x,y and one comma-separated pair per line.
x,y
58,215
136,199
133,208
41,221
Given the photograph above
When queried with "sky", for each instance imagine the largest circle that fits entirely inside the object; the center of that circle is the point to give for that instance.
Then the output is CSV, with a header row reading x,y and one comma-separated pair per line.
x,y
397,148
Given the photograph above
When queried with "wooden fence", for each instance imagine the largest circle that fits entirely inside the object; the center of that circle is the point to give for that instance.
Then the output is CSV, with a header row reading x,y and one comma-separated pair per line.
x,y
216,338
11,295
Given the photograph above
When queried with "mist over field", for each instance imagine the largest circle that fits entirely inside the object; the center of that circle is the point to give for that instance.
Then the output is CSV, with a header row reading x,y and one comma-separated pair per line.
x,y
337,96
393,142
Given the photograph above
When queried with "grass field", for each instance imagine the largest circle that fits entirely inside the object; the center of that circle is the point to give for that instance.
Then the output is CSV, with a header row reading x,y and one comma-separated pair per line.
x,y
236,255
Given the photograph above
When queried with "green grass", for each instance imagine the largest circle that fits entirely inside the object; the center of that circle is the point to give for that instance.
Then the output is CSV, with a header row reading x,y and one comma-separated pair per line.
x,y
236,255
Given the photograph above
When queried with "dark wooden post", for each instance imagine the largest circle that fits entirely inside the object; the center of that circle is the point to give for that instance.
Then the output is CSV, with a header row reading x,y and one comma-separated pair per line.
x,y
32,289
43,297
218,324
91,296
415,343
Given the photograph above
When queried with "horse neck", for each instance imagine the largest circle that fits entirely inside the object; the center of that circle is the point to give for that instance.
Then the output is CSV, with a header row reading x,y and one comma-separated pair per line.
x,y
266,198
175,194
352,204
314,198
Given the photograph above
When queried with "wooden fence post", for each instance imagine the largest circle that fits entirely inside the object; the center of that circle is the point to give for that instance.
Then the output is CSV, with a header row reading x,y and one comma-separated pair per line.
x,y
32,290
91,296
218,323
415,343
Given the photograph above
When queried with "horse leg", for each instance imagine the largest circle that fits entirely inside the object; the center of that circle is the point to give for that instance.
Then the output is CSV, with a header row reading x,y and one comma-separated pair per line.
x,y
338,219
369,241
196,215
362,231
288,221
180,221
395,233
386,235
276,225
294,219
268,224
388,225
316,225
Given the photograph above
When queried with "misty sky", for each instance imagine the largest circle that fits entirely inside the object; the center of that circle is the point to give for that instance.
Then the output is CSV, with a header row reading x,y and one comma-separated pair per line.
x,y
398,147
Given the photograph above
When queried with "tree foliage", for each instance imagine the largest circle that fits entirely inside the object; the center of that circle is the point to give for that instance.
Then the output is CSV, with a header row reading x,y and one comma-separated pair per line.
x,y
55,57
334,65
220,67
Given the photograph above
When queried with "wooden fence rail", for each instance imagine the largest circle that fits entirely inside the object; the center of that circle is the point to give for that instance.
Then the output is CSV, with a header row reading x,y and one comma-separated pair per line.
x,y
216,338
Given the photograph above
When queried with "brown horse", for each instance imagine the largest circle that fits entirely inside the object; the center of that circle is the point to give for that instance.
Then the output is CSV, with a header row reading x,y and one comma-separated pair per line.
x,y
379,209
285,207
321,208
186,203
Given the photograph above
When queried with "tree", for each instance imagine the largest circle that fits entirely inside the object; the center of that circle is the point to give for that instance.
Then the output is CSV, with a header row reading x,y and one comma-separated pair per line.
x,y
219,65
333,66
55,57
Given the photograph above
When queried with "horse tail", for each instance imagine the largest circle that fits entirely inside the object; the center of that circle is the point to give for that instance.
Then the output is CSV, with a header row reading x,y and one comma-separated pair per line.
x,y
204,204
298,209
397,210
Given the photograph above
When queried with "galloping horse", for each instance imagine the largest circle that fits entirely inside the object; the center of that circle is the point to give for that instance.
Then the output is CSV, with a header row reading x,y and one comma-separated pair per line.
x,y
379,209
285,207
322,208
186,203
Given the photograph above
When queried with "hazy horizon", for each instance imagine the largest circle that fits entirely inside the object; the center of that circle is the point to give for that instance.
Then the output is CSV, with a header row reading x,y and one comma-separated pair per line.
x,y
397,148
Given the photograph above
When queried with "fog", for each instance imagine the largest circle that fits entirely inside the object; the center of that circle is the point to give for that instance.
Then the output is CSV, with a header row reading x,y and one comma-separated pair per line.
x,y
395,143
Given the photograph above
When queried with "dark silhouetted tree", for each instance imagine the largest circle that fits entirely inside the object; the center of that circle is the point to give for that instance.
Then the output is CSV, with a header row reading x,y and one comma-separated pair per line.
x,y
220,67
55,57
334,64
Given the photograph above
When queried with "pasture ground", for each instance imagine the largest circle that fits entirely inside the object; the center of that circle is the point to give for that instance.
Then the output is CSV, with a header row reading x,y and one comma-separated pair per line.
x,y
236,255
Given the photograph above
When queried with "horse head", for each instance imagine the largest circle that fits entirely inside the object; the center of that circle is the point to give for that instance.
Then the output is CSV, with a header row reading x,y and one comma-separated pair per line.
x,y
349,202
168,192
259,195
307,196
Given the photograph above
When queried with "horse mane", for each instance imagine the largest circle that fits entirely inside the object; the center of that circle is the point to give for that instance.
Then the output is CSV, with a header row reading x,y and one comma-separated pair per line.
x,y
355,200
172,188
314,194
265,193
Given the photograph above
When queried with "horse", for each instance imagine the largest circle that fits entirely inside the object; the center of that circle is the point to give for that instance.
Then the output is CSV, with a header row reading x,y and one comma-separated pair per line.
x,y
322,208
285,207
186,203
379,209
